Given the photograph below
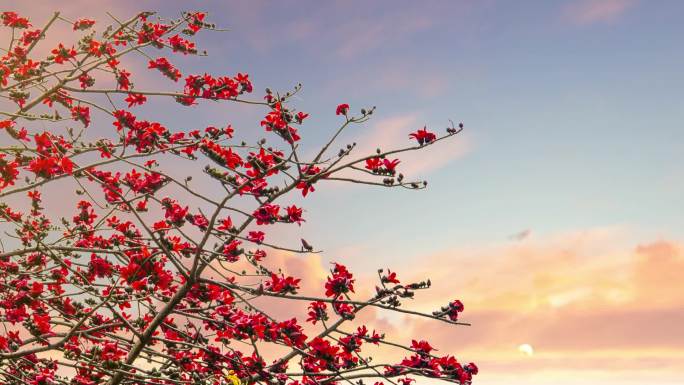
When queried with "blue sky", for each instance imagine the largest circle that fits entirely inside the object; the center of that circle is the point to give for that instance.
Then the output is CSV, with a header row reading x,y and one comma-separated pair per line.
x,y
573,120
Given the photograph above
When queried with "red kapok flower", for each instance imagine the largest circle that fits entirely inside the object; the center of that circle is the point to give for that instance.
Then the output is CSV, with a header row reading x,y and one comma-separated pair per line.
x,y
256,236
134,99
266,214
342,109
423,136
63,53
341,282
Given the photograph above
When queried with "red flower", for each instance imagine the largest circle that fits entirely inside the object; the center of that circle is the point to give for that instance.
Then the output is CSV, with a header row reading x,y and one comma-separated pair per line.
x,y
231,251
421,346
22,134
423,136
342,109
99,267
455,307
82,114
245,83
258,255
66,165
472,368
301,116
373,163
266,214
62,53
341,282
36,289
282,284
307,186
174,213
28,37
42,322
123,80
317,312
199,220
196,23
141,206
294,214
391,277
226,224
86,81
390,165
256,236
8,172
344,309
134,99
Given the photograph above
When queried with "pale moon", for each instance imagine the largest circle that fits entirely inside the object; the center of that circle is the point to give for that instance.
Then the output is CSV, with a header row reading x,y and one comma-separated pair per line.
x,y
526,349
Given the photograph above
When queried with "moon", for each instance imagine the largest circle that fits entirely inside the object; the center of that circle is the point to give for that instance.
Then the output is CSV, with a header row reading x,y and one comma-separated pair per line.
x,y
526,349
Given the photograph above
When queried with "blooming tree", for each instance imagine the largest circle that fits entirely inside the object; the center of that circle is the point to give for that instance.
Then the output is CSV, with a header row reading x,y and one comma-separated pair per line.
x,y
152,279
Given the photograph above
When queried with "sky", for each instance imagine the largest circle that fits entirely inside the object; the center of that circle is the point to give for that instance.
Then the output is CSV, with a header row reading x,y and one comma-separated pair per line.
x,y
556,216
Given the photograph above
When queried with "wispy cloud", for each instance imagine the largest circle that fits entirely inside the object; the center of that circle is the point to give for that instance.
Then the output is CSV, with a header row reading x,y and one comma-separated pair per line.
x,y
366,34
585,12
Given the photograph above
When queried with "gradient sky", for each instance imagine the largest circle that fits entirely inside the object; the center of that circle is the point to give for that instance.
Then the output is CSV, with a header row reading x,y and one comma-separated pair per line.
x,y
557,215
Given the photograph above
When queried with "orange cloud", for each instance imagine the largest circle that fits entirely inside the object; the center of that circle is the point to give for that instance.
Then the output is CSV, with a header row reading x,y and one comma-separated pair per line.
x,y
590,303
594,306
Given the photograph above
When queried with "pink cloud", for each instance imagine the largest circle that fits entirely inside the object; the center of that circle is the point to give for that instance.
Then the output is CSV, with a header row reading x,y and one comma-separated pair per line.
x,y
586,12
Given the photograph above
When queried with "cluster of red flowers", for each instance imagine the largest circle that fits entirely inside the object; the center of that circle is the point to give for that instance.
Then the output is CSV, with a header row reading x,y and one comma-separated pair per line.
x,y
145,135
141,272
307,185
166,68
279,121
50,160
341,282
282,284
8,171
146,183
209,87
13,20
422,360
182,45
382,166
270,213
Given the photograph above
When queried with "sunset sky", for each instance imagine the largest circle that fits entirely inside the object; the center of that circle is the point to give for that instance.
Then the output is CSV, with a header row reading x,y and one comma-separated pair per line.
x,y
557,215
